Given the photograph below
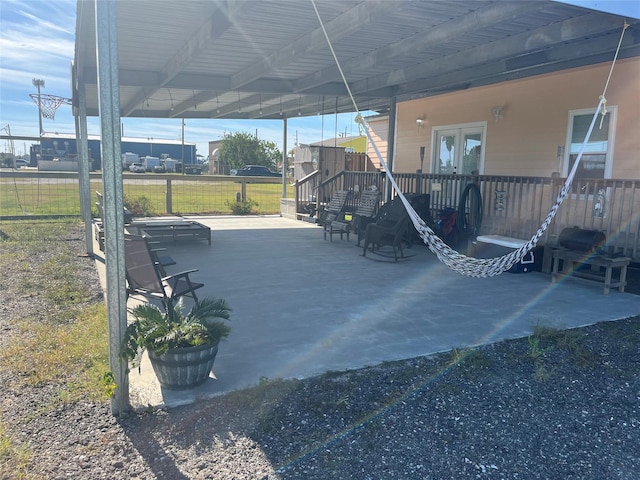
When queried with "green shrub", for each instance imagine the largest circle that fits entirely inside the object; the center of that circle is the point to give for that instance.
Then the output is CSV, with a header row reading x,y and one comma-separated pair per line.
x,y
139,206
243,207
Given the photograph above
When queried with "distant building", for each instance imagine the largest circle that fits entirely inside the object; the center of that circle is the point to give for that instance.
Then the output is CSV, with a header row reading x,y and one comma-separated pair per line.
x,y
62,147
351,144
332,156
216,166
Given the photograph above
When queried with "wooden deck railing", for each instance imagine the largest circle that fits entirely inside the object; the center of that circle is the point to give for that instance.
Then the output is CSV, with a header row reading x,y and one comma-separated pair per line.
x,y
517,206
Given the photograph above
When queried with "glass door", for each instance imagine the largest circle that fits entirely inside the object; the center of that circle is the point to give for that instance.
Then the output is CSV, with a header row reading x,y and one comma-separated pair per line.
x,y
446,151
459,149
471,151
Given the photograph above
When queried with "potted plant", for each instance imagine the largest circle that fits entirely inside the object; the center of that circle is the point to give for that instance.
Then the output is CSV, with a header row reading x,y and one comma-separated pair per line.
x,y
182,347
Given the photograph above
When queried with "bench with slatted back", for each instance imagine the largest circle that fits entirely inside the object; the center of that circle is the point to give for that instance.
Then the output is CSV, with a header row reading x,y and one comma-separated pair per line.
x,y
364,214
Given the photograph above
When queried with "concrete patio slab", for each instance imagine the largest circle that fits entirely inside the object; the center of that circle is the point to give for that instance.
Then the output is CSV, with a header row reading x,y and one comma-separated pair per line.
x,y
303,306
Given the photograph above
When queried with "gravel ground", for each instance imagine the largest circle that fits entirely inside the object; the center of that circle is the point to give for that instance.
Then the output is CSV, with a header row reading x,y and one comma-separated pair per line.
x,y
566,407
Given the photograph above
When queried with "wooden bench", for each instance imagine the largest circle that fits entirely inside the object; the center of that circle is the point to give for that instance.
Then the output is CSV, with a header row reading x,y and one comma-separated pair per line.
x,y
571,258
364,214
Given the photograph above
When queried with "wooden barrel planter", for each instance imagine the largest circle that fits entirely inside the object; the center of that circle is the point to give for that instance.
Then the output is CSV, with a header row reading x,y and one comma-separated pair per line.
x,y
183,368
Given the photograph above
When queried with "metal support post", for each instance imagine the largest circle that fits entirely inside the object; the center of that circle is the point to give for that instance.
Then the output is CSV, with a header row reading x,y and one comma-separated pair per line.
x,y
108,89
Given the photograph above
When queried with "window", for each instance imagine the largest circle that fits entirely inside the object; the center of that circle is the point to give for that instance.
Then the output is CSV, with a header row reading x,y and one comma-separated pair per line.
x,y
596,161
459,148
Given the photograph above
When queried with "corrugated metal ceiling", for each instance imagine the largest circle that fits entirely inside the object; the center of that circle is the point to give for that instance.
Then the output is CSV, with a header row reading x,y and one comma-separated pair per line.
x,y
233,59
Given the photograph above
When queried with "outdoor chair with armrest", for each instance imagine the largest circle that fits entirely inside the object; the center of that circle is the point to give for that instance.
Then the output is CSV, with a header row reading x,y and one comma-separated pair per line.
x,y
99,224
144,276
128,215
161,261
389,228
333,211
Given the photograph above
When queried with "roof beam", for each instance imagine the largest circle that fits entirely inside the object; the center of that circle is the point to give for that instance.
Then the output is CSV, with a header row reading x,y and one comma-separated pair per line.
x,y
191,81
220,20
270,88
340,27
130,78
529,42
500,12
522,66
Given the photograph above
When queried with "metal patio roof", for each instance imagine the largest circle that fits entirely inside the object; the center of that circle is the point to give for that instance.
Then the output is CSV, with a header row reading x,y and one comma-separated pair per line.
x,y
270,59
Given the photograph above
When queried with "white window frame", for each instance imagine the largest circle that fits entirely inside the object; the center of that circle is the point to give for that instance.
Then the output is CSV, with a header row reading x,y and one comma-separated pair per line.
x,y
460,127
608,165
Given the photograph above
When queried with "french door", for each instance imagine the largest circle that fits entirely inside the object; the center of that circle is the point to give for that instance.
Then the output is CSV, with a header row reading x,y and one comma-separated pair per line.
x,y
459,149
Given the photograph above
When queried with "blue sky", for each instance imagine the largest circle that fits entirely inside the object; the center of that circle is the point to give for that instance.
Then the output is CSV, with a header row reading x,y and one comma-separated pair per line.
x,y
37,41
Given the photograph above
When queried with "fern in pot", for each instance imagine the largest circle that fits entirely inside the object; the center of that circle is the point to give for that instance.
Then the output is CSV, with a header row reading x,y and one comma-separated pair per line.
x,y
182,347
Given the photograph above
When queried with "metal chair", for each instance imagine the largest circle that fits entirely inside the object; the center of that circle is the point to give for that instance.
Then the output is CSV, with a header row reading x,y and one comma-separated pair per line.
x,y
144,275
333,211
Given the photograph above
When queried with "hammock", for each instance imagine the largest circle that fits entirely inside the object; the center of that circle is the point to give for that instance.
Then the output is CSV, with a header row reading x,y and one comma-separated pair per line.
x,y
470,266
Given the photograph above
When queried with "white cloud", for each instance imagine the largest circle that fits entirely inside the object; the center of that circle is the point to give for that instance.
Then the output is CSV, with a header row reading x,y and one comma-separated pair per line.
x,y
40,25
26,49
21,80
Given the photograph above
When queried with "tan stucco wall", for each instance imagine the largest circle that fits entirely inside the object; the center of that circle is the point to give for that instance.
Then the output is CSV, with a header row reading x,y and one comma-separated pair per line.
x,y
536,112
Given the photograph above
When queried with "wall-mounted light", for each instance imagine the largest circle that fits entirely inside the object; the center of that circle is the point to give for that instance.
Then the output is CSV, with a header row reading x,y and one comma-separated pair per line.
x,y
498,113
420,122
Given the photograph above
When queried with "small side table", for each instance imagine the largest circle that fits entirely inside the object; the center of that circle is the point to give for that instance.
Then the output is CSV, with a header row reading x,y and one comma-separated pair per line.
x,y
595,274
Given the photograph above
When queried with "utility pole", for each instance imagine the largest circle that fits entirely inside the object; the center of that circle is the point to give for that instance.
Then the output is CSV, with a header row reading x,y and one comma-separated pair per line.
x,y
183,162
38,82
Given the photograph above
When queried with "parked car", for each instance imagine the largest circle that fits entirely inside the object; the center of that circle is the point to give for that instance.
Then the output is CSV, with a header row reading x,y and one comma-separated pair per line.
x,y
159,169
19,162
255,171
192,169
137,168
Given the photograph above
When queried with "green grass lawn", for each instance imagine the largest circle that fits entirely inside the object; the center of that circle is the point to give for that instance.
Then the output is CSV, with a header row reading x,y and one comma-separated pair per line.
x,y
61,197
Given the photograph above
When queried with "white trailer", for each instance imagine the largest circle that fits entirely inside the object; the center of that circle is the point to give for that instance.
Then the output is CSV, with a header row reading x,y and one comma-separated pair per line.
x,y
129,158
170,164
150,162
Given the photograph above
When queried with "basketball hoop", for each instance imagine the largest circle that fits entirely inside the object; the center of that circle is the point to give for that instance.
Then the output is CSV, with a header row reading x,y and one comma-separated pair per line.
x,y
48,104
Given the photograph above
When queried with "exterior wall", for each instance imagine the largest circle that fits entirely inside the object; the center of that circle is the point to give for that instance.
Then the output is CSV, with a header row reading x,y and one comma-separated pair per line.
x,y
536,113
358,144
330,161
379,127
302,165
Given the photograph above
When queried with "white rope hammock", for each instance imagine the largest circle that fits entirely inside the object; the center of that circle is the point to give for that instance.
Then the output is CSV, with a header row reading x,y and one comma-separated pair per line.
x,y
470,266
